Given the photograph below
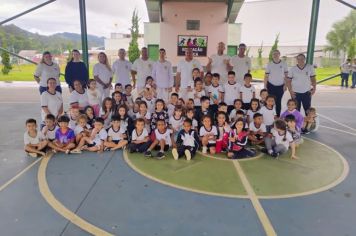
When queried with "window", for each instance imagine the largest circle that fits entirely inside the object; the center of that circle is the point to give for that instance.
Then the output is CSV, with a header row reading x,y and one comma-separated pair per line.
x,y
231,50
193,24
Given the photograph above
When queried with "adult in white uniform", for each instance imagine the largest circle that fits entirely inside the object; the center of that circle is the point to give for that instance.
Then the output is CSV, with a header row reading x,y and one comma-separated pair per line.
x,y
184,75
218,63
162,73
302,82
103,75
51,100
241,64
122,69
275,79
47,69
141,69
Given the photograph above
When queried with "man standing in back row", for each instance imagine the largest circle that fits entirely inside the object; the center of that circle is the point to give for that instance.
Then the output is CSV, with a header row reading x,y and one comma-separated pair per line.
x,y
141,69
218,63
240,64
162,74
121,69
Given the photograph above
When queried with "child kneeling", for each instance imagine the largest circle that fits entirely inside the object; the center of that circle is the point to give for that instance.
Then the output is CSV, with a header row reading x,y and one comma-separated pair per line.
x,y
94,143
163,140
187,142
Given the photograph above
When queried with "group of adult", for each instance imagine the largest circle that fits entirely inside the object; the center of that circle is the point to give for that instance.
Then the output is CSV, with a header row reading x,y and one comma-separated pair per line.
x,y
299,79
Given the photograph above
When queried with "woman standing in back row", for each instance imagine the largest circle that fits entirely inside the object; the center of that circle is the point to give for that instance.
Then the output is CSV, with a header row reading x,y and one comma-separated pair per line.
x,y
76,70
103,75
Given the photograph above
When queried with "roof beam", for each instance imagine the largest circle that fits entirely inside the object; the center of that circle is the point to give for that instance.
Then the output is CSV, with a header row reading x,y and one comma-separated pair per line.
x,y
347,4
160,10
229,8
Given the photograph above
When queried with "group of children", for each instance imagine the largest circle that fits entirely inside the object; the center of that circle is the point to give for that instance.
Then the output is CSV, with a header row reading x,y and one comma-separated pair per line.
x,y
214,118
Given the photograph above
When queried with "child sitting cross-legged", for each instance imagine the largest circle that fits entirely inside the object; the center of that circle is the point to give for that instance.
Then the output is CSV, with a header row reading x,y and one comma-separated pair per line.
x,y
238,140
140,140
187,142
49,130
82,129
163,140
95,142
34,141
65,137
116,135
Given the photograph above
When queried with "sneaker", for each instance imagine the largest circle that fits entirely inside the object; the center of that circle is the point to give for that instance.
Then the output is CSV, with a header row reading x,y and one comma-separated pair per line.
x,y
76,151
160,155
175,153
107,149
54,151
275,155
264,150
205,150
188,155
32,154
148,153
67,151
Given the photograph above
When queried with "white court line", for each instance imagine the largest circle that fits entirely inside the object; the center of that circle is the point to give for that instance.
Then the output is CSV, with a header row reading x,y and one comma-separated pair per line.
x,y
336,122
346,107
342,131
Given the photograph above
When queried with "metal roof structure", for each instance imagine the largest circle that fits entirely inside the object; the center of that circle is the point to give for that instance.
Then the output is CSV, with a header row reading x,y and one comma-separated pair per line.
x,y
155,12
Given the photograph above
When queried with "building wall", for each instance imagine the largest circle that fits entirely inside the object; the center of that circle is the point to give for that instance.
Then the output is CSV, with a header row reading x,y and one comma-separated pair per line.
x,y
212,24
152,33
234,34
113,45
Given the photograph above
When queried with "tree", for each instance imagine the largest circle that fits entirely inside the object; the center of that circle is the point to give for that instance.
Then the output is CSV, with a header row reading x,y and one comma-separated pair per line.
x,y
259,58
341,38
5,60
274,47
134,51
351,52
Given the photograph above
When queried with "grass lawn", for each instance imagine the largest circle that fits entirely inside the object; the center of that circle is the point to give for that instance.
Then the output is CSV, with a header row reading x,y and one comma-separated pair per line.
x,y
25,73
321,73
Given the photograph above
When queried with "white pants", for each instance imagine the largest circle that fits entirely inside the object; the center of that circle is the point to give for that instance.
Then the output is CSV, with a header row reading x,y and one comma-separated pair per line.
x,y
104,92
163,93
184,93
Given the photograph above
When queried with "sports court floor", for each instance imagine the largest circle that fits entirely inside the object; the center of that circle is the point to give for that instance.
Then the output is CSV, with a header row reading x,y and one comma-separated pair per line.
x,y
115,193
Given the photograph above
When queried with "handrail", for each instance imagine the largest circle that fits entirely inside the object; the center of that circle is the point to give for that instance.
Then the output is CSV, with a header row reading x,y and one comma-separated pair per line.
x,y
328,78
21,57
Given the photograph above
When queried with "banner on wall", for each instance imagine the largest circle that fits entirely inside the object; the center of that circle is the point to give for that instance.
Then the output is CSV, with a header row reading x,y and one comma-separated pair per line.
x,y
199,44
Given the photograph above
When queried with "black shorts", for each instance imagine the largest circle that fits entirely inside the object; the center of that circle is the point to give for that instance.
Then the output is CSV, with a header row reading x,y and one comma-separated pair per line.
x,y
91,145
166,148
116,141
211,145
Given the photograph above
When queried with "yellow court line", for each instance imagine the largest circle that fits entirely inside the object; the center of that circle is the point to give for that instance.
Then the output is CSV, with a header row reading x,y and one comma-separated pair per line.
x,y
266,223
59,207
19,174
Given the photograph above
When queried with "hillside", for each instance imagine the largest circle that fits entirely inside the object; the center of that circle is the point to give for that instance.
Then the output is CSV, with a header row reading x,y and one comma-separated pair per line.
x,y
18,39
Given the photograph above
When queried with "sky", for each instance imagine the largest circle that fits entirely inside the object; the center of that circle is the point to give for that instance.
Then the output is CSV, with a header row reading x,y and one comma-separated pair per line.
x,y
261,19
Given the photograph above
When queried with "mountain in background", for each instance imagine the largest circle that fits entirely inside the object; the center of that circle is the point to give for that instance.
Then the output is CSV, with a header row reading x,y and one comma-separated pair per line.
x,y
17,39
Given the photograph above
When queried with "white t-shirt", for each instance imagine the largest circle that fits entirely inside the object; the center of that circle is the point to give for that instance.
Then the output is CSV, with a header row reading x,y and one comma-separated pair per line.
x,y
247,93
139,137
177,124
231,92
214,92
143,69
78,129
345,67
233,116
122,70
72,123
241,66
102,72
213,131
218,66
162,73
253,128
107,121
52,101
251,113
116,135
101,136
80,98
32,140
150,104
198,96
300,77
186,68
44,72
170,109
279,138
165,136
268,115
276,72
94,97
50,134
